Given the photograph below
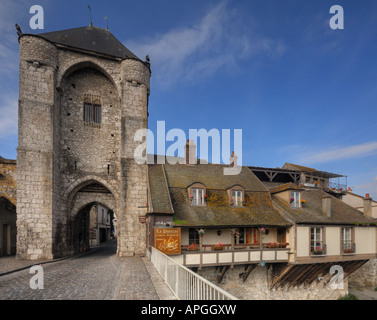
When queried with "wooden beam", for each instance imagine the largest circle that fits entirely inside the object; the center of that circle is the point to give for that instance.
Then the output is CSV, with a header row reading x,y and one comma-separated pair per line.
x,y
250,268
281,279
316,272
304,275
299,272
282,275
223,271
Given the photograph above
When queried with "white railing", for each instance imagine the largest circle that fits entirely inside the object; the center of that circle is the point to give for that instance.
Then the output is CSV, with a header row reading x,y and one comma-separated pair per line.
x,y
184,283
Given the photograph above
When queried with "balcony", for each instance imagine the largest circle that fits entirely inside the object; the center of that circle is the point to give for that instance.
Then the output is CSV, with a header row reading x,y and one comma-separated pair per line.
x,y
318,249
225,255
348,248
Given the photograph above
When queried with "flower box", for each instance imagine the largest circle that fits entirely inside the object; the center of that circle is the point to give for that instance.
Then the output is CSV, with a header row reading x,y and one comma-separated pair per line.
x,y
215,248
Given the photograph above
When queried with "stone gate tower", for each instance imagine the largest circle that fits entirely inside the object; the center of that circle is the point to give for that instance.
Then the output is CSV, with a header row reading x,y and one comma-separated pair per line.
x,y
82,96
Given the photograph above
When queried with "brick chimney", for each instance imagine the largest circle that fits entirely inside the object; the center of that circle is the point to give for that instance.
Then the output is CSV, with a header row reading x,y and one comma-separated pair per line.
x,y
233,160
190,152
367,205
326,206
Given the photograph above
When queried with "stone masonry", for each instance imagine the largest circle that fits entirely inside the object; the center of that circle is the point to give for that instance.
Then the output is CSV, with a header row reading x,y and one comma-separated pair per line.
x,y
59,154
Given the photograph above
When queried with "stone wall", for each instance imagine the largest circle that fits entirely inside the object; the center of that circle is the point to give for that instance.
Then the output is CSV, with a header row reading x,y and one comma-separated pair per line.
x,y
8,180
59,153
256,286
365,277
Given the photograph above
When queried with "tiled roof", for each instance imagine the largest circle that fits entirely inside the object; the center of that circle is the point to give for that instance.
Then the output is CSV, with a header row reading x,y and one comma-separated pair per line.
x,y
258,210
311,212
158,188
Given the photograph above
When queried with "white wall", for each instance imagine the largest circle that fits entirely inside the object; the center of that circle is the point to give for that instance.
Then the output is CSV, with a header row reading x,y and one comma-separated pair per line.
x,y
333,238
365,239
303,244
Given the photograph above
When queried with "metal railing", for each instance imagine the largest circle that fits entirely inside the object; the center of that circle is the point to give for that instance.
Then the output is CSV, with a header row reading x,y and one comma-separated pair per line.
x,y
184,283
318,248
348,247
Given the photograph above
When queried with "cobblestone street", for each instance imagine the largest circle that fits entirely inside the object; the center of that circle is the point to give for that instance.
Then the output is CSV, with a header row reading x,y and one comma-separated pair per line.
x,y
97,275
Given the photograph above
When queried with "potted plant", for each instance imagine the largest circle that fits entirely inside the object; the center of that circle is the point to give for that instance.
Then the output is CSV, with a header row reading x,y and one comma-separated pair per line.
x,y
219,246
264,231
317,251
244,202
205,197
273,245
193,247
291,200
231,202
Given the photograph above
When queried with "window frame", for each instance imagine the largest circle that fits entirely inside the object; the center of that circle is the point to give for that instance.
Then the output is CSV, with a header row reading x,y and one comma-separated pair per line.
x,y
92,109
296,203
193,236
234,199
195,192
194,188
314,242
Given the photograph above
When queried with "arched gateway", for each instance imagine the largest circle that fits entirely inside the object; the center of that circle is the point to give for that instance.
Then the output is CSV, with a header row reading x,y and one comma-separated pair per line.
x,y
83,95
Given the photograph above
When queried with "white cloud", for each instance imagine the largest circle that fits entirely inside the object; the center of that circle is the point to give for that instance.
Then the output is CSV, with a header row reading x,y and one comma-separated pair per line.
x,y
219,40
339,153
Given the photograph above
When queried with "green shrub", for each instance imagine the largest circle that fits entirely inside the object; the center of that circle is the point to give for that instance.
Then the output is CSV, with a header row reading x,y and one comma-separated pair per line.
x,y
348,296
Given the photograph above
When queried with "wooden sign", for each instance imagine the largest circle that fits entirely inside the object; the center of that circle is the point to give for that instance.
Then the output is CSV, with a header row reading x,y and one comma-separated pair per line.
x,y
168,240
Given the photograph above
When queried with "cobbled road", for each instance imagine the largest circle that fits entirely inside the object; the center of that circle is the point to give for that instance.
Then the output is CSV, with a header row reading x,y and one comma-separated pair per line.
x,y
97,275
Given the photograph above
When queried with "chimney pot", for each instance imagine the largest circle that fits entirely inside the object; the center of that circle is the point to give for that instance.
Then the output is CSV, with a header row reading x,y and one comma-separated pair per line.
x,y
233,160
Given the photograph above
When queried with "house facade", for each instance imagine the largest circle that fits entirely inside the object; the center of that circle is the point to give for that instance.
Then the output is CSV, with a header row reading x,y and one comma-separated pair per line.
x,y
233,227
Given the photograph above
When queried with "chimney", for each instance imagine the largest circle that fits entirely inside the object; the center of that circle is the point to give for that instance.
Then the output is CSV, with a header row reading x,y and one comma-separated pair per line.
x,y
233,160
190,152
326,206
367,205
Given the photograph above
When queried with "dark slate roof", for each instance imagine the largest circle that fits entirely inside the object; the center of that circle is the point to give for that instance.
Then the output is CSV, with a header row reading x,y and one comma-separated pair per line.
x,y
258,210
311,212
91,39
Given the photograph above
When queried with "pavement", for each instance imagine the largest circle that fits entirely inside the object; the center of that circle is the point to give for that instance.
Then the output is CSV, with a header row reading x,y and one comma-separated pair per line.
x,y
96,275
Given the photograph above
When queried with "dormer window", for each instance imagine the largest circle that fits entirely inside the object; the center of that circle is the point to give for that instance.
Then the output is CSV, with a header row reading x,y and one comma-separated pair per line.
x,y
236,196
197,194
295,199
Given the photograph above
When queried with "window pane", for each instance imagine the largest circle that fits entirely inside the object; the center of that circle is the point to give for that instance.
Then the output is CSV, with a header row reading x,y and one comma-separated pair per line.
x,y
197,197
237,197
193,236
97,113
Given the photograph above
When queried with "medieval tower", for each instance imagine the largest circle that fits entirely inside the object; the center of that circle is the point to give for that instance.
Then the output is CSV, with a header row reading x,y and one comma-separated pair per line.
x,y
82,97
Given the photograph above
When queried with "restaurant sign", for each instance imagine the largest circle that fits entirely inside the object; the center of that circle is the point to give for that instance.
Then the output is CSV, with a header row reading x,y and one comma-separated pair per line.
x,y
168,240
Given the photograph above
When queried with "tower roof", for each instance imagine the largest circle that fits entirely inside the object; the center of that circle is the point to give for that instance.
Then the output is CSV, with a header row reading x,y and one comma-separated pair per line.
x,y
90,38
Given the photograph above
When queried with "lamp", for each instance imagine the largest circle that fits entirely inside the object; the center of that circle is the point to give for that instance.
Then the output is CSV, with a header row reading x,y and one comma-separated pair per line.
x,y
219,232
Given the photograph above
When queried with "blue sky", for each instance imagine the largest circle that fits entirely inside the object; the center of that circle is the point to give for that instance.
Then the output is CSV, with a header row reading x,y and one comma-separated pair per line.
x,y
300,91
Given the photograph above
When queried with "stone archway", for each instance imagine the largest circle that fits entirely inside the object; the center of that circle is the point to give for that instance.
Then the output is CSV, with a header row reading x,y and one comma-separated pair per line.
x,y
81,203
